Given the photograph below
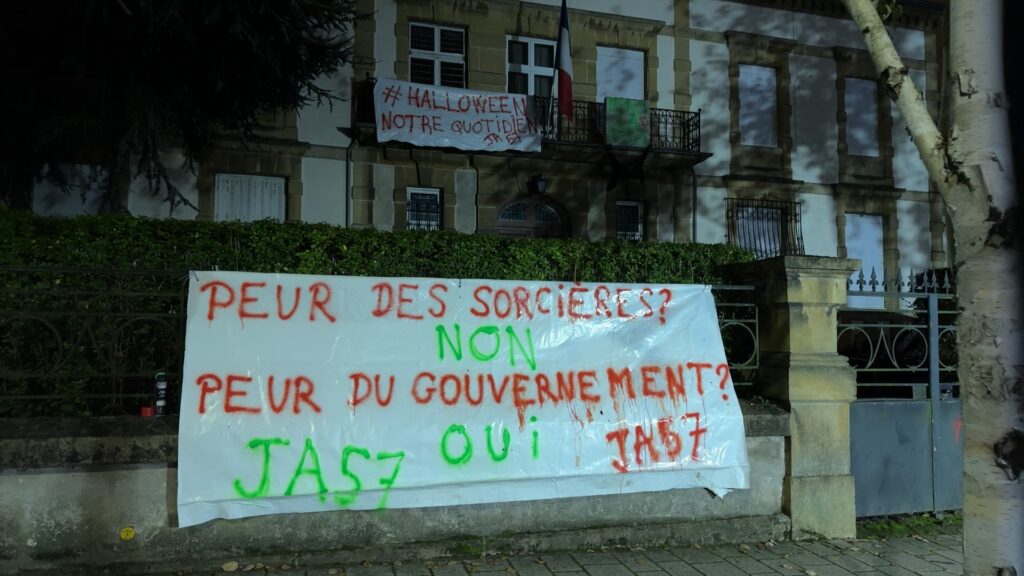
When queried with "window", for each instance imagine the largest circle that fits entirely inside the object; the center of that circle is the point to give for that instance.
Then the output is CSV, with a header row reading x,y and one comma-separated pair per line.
x,y
620,73
530,65
864,240
758,123
766,227
629,224
423,209
531,217
69,190
247,198
861,106
437,55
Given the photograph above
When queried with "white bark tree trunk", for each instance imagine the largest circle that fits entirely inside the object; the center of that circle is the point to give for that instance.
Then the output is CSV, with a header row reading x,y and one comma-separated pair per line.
x,y
972,169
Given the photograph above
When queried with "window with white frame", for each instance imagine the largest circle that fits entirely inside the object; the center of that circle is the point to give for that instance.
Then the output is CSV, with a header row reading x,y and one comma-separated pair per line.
x,y
248,198
437,55
758,114
423,208
530,66
860,100
629,221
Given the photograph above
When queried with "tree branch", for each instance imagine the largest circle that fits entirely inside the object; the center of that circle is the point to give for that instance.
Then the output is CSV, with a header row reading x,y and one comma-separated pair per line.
x,y
935,151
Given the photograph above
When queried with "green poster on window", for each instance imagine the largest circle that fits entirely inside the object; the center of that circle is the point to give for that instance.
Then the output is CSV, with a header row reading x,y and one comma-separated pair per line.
x,y
627,122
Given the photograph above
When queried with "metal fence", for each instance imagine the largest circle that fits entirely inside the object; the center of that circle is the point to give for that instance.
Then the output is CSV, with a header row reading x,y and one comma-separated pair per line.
x,y
676,130
738,323
423,211
76,342
900,336
89,342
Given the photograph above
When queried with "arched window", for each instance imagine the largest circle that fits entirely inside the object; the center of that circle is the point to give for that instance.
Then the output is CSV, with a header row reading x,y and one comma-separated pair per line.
x,y
532,218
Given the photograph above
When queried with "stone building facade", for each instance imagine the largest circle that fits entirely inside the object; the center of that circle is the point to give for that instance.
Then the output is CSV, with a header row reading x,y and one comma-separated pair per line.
x,y
799,148
766,129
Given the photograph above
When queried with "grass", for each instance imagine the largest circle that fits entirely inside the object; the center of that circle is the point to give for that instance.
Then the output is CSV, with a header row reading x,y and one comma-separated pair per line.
x,y
910,525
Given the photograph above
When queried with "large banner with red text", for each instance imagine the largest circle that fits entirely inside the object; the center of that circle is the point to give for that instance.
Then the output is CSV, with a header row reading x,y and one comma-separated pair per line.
x,y
439,116
317,393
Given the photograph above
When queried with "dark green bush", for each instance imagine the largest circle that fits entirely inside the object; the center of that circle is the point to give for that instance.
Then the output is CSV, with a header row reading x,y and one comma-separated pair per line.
x,y
126,243
90,307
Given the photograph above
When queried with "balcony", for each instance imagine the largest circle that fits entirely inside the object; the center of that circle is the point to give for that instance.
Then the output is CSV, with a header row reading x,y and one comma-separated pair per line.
x,y
670,133
669,130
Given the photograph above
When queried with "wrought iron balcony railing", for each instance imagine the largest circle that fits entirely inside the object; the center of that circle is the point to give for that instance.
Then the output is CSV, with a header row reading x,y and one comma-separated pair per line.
x,y
766,227
669,130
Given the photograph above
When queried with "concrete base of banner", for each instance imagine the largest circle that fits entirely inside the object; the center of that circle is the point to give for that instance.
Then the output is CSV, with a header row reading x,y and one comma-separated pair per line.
x,y
89,494
653,537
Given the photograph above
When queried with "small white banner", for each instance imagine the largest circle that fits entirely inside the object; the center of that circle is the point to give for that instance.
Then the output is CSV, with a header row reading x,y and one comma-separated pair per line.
x,y
438,116
313,393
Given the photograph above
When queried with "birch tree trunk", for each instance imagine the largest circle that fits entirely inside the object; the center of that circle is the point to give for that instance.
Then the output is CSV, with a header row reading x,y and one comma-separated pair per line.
x,y
972,169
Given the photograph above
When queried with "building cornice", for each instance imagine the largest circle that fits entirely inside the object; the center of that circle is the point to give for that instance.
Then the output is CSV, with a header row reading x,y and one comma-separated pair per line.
x,y
914,14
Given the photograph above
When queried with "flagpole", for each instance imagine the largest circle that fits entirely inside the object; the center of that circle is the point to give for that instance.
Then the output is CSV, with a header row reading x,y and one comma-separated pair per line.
x,y
563,68
552,114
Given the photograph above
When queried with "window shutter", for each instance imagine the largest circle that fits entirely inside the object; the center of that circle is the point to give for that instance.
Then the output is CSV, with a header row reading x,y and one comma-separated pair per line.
x,y
247,198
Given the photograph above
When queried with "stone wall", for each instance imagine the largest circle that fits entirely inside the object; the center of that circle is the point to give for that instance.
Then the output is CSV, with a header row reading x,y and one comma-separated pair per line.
x,y
97,492
102,492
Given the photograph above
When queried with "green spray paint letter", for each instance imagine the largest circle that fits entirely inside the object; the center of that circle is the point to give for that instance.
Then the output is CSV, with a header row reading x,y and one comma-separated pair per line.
x,y
388,482
485,343
347,497
314,470
506,438
467,452
264,485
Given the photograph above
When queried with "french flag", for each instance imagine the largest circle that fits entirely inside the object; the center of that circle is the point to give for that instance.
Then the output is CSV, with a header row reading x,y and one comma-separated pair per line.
x,y
564,65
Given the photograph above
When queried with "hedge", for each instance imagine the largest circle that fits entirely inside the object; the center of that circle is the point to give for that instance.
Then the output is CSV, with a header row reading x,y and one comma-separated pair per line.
x,y
121,242
91,306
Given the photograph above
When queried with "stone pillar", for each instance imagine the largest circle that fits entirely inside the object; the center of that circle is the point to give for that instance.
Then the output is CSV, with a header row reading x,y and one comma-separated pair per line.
x,y
666,211
383,197
597,211
465,201
798,298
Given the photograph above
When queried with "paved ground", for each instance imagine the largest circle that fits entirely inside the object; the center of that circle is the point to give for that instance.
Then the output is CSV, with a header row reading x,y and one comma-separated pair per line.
x,y
931,556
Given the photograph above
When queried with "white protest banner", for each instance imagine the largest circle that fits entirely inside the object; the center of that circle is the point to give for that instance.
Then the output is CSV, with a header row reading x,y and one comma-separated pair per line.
x,y
313,393
439,116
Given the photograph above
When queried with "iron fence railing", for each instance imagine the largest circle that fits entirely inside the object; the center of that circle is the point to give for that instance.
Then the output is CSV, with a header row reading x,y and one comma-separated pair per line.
x,y
738,324
900,335
676,130
586,126
76,341
89,342
423,212
670,130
